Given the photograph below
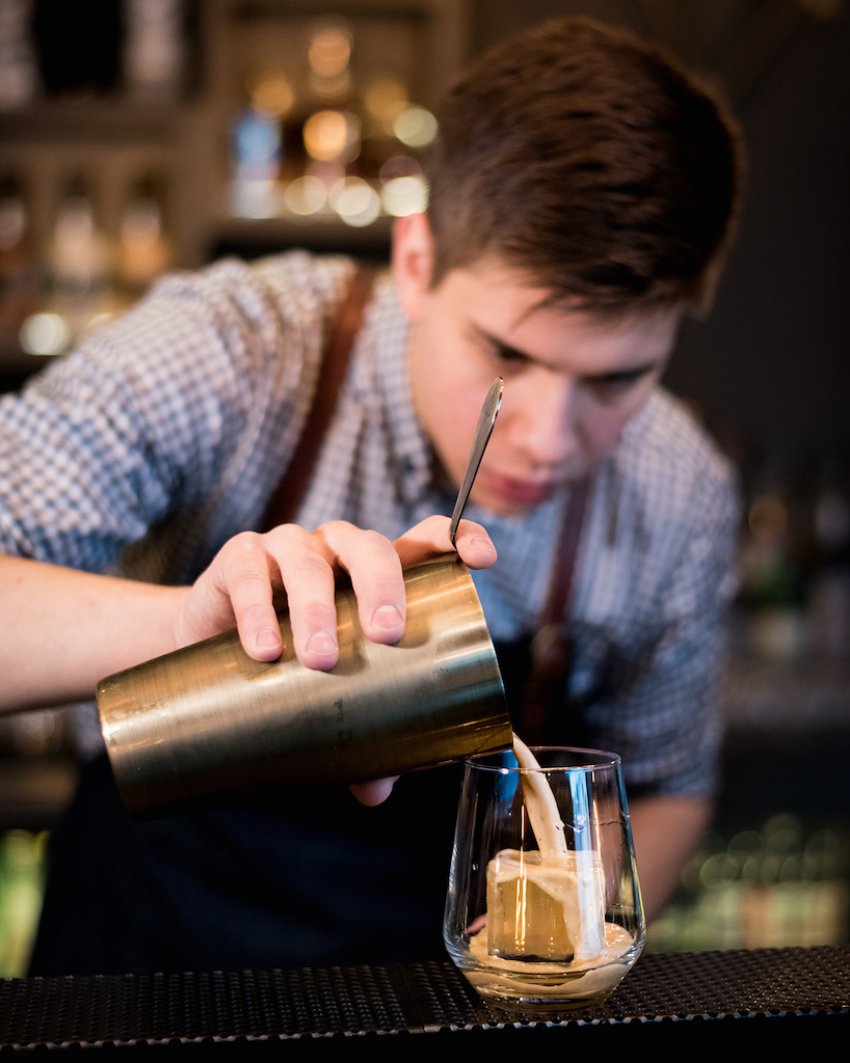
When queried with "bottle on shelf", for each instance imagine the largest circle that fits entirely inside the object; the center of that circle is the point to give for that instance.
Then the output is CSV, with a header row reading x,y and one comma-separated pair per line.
x,y
19,78
153,57
144,248
772,592
829,597
77,47
256,154
80,263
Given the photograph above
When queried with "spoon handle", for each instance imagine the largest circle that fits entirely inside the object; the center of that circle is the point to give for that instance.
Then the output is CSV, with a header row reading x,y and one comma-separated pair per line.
x,y
486,420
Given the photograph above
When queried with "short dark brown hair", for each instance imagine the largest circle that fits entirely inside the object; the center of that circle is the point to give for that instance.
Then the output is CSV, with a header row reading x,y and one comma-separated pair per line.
x,y
589,160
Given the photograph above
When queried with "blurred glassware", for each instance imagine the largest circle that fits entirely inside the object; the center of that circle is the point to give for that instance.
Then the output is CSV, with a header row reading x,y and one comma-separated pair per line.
x,y
19,77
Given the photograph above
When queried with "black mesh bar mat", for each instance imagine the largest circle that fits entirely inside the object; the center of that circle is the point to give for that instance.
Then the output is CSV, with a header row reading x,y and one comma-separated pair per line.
x,y
752,994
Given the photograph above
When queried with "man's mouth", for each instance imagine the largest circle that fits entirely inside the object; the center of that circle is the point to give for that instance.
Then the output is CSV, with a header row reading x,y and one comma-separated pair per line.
x,y
519,491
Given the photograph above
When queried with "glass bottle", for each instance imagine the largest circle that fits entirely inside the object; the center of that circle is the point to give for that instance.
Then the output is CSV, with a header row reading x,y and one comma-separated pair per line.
x,y
79,261
144,245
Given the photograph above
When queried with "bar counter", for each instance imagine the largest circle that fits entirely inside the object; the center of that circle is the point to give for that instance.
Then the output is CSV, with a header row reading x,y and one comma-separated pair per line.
x,y
760,997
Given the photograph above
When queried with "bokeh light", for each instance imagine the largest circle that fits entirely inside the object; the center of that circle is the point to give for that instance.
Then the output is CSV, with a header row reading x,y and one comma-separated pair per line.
x,y
45,334
329,50
355,201
272,94
415,126
332,134
404,195
305,195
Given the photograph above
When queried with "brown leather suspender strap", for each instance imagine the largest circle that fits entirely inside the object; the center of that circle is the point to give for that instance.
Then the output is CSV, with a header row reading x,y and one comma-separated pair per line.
x,y
550,649
289,493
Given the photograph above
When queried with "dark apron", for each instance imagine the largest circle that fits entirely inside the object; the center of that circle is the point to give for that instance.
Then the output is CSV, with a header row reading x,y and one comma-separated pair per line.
x,y
310,878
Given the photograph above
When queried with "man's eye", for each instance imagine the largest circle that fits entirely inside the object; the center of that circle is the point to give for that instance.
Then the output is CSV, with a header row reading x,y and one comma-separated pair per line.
x,y
509,356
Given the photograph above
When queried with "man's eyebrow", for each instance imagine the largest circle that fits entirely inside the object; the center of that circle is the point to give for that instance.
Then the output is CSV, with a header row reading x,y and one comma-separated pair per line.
x,y
501,346
629,373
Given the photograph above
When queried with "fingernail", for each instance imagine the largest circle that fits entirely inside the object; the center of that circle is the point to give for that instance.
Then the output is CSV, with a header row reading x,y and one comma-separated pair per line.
x,y
484,544
322,644
387,618
268,640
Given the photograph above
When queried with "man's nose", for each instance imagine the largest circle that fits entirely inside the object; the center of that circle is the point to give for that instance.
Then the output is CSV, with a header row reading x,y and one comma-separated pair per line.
x,y
546,431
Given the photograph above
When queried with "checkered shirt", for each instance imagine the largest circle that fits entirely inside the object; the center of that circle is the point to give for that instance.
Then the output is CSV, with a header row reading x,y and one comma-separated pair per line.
x,y
165,432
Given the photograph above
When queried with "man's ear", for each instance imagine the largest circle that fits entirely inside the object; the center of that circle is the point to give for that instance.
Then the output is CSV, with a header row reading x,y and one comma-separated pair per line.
x,y
412,261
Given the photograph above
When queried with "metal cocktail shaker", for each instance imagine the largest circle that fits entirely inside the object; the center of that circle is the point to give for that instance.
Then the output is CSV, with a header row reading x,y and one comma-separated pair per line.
x,y
207,720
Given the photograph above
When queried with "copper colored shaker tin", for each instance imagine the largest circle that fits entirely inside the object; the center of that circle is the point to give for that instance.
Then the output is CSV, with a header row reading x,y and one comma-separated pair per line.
x,y
208,721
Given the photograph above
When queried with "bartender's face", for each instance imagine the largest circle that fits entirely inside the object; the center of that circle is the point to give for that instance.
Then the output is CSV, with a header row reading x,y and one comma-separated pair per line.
x,y
571,381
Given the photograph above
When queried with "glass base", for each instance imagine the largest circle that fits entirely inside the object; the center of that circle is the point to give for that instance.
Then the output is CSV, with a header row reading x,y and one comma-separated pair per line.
x,y
546,986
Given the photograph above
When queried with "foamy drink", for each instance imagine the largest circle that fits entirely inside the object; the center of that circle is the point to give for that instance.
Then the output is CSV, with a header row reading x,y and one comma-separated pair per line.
x,y
534,932
547,905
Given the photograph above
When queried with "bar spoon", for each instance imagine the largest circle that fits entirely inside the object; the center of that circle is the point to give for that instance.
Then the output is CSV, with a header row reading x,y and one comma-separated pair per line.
x,y
483,430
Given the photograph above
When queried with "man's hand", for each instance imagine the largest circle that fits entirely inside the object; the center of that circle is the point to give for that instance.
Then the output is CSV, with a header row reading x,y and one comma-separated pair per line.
x,y
253,574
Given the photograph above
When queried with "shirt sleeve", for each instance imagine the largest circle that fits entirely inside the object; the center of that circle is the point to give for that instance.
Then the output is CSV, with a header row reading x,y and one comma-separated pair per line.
x,y
161,411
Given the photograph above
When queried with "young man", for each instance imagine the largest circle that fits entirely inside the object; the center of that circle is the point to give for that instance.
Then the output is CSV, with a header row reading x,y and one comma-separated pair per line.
x,y
582,195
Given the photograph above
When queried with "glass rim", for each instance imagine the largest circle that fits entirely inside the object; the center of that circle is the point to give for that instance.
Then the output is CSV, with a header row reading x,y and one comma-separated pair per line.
x,y
588,759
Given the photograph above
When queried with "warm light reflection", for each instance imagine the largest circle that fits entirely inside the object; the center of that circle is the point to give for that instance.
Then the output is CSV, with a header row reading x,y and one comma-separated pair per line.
x,y
305,195
415,126
273,95
255,197
358,153
384,99
144,252
331,134
404,195
45,334
355,201
329,50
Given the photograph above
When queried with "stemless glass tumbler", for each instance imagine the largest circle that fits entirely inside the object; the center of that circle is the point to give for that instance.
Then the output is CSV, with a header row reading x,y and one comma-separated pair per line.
x,y
544,908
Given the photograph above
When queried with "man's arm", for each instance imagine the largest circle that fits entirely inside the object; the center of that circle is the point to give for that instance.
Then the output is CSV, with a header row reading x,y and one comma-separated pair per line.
x,y
63,629
667,831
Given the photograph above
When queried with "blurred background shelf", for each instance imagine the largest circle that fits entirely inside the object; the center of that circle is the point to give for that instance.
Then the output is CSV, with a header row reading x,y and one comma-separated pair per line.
x,y
762,371
250,238
34,791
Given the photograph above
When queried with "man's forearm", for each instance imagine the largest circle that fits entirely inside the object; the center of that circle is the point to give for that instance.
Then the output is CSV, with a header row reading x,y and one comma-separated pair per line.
x,y
64,630
667,831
